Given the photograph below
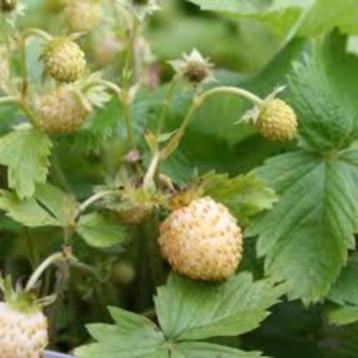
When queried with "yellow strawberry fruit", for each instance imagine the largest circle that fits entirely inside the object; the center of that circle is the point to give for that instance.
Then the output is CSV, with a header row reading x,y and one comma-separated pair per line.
x,y
202,241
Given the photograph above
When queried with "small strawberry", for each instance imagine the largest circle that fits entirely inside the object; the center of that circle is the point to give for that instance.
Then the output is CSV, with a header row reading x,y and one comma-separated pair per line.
x,y
202,240
83,15
23,326
277,121
64,60
22,334
61,111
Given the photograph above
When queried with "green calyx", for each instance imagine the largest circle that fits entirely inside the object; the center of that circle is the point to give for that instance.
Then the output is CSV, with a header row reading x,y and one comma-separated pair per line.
x,y
20,300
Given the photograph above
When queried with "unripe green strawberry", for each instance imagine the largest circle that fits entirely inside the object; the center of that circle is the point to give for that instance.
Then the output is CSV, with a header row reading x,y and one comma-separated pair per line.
x,y
64,60
277,121
23,334
202,240
61,111
83,15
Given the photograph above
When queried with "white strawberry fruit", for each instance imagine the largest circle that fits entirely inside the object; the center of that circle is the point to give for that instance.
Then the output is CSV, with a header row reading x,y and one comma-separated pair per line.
x,y
23,333
202,241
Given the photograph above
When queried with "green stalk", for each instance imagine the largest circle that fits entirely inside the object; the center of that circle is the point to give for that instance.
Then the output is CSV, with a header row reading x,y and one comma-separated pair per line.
x,y
172,145
166,105
54,258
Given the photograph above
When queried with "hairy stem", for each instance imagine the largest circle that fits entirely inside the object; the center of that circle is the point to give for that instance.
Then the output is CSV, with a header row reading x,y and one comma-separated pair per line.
x,y
57,257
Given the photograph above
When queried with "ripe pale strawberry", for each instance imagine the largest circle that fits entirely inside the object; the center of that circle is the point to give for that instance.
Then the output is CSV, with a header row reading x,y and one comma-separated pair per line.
x,y
277,121
61,111
22,334
202,240
83,15
64,60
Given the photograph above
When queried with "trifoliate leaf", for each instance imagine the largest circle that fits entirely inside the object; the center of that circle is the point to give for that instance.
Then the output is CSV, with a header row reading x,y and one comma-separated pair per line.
x,y
208,350
101,231
325,121
244,195
132,336
306,236
25,152
27,211
61,205
191,310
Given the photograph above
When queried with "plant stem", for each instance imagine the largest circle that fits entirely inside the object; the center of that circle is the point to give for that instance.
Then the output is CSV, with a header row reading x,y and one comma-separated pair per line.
x,y
166,105
58,256
85,268
28,111
129,61
37,32
148,182
173,143
23,64
91,200
128,117
197,102
8,99
240,92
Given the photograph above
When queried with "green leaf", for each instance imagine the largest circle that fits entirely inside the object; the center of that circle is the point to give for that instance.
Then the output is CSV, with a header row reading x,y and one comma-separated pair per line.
x,y
61,205
244,195
306,236
326,15
101,231
190,310
345,289
208,350
27,212
344,315
133,336
280,15
325,121
25,152
295,17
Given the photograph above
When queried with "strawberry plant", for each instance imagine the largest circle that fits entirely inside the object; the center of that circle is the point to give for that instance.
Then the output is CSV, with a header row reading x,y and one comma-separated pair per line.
x,y
160,201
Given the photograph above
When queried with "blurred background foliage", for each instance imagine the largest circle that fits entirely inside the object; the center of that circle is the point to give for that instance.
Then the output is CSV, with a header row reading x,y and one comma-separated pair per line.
x,y
245,52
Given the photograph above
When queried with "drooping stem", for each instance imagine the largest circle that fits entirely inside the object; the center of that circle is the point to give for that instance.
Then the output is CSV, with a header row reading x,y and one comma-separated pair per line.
x,y
57,257
38,33
94,198
197,102
240,92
